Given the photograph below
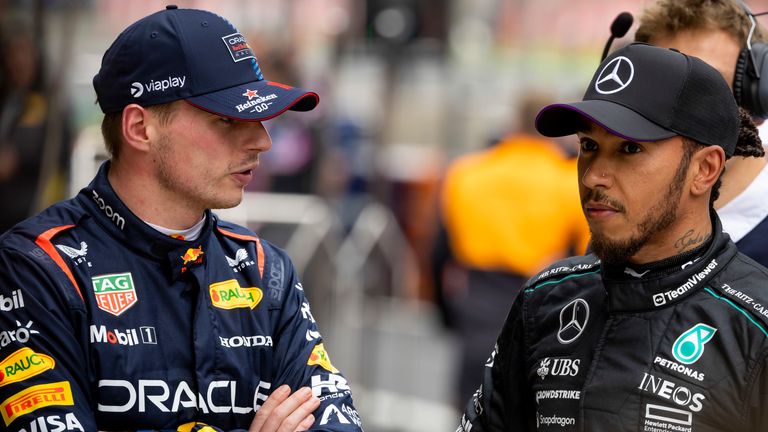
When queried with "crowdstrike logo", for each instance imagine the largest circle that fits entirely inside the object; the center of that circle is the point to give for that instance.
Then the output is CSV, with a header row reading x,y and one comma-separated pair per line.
x,y
137,88
615,76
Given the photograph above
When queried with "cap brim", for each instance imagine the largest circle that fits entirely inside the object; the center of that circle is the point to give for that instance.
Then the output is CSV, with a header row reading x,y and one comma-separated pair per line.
x,y
256,101
566,119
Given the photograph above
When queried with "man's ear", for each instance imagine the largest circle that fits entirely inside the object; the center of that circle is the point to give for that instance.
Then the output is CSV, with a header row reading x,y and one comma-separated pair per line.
x,y
707,163
135,124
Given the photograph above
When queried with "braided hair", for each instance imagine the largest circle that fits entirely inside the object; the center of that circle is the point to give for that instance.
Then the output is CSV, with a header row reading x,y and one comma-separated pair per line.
x,y
748,145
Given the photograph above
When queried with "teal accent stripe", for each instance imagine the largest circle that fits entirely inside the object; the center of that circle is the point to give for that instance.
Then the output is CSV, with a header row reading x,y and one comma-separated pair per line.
x,y
560,280
745,313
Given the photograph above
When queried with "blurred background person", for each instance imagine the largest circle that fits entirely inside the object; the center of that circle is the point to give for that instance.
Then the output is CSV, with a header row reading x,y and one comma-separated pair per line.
x,y
508,211
719,32
34,135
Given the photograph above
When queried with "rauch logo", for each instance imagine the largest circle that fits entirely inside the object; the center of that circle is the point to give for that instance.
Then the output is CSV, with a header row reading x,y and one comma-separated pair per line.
x,y
114,293
230,295
23,364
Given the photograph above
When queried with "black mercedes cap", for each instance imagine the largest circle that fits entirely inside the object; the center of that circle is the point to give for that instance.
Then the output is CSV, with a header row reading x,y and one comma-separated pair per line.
x,y
646,93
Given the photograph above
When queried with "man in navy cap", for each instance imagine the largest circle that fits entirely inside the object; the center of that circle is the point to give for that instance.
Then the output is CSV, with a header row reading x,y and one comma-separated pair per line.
x,y
132,306
664,327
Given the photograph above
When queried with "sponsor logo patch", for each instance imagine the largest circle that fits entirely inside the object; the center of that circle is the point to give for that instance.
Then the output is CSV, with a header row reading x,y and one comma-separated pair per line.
x,y
12,302
22,333
76,255
193,255
34,398
689,346
127,337
23,364
230,295
55,423
558,367
115,293
320,357
671,391
238,47
573,320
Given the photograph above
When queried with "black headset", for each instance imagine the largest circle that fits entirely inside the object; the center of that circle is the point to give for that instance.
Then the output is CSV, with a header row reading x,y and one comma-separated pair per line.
x,y
750,91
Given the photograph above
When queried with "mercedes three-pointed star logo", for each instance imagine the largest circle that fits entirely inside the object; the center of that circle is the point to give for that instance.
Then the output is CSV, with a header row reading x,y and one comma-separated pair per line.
x,y
573,320
615,76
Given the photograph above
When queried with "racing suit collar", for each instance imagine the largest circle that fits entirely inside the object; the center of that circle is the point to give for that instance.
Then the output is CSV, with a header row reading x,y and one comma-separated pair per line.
x,y
665,290
118,221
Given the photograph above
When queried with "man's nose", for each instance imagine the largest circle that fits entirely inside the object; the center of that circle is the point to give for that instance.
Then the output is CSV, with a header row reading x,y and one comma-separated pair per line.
x,y
597,176
257,138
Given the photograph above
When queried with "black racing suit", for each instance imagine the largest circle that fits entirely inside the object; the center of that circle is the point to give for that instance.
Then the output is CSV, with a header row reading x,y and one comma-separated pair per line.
x,y
582,351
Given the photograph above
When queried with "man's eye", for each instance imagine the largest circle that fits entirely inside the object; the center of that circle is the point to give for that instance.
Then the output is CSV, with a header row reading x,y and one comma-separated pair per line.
x,y
630,147
587,145
226,120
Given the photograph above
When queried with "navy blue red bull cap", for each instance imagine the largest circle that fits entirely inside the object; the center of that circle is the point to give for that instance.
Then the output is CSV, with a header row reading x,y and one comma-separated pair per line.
x,y
193,55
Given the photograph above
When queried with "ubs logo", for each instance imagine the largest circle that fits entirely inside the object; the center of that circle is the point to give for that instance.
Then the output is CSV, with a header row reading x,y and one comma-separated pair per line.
x,y
558,367
615,76
573,320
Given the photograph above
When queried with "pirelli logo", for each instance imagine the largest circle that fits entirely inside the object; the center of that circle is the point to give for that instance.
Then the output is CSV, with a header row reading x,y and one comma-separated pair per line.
x,y
35,397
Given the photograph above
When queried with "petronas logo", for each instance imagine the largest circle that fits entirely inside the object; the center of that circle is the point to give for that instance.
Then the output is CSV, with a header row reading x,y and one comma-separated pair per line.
x,y
689,346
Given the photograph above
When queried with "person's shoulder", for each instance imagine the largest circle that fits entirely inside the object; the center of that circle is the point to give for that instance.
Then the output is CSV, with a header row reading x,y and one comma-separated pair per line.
x,y
62,216
241,234
562,271
741,287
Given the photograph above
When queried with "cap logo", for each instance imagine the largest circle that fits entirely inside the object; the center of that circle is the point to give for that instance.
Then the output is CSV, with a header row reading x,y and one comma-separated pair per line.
x,y
238,47
137,89
615,76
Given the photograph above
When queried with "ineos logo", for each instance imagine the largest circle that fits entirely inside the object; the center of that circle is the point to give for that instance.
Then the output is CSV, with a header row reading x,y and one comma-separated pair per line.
x,y
615,76
137,89
573,320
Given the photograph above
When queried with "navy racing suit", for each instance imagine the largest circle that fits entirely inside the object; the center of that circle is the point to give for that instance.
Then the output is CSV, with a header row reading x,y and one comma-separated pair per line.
x,y
105,323
586,350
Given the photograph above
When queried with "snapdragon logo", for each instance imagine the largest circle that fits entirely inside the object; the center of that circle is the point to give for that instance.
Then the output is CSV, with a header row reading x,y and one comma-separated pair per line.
x,y
689,346
137,88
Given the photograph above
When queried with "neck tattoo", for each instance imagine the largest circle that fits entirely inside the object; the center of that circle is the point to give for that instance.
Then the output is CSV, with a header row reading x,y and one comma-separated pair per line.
x,y
689,240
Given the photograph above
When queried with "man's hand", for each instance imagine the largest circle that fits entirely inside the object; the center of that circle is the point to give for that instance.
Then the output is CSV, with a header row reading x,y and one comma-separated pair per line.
x,y
286,412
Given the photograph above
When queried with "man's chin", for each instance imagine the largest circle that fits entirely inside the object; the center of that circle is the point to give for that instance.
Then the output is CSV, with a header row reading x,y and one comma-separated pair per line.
x,y
226,202
613,250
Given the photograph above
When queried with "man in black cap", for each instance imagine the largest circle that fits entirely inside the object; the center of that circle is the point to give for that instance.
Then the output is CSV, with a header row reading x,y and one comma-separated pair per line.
x,y
132,306
664,327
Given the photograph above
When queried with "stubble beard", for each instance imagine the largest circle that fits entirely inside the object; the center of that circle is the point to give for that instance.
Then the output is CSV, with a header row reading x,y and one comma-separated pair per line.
x,y
196,197
657,219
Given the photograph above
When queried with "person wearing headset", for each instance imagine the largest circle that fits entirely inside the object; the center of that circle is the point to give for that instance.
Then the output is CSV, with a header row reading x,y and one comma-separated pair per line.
x,y
725,34
663,326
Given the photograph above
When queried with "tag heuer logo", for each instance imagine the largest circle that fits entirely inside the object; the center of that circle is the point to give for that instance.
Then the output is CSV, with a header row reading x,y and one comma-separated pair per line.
x,y
114,293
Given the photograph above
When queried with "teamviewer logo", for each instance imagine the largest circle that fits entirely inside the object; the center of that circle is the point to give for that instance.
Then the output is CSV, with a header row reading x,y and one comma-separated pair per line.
x,y
137,89
658,299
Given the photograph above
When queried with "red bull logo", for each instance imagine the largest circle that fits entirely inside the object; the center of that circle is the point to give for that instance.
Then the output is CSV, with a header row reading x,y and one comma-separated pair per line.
x,y
320,357
193,255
